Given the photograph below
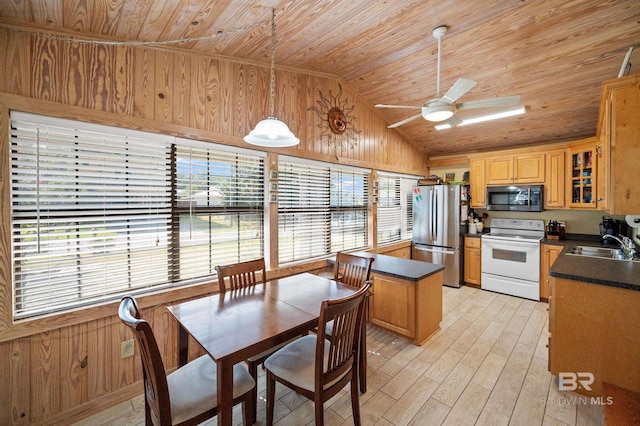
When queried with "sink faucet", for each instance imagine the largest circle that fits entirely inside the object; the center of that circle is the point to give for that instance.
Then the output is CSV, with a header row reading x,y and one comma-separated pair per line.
x,y
626,244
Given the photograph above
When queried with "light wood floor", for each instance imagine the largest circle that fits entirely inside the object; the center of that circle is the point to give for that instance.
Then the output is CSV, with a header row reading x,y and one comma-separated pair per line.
x,y
487,366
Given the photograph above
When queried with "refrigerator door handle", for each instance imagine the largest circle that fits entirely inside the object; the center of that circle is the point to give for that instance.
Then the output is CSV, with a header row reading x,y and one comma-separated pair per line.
x,y
436,250
435,216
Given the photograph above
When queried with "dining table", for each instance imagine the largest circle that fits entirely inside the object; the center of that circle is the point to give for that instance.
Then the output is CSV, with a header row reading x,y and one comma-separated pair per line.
x,y
234,325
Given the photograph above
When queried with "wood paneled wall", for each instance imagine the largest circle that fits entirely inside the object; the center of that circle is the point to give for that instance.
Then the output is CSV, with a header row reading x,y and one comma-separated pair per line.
x,y
56,370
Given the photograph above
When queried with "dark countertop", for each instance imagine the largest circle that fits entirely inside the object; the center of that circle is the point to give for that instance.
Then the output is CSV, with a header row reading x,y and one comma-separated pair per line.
x,y
406,269
614,273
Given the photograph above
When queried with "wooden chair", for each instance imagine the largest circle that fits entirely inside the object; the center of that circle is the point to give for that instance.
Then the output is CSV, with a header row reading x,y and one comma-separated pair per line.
x,y
244,276
189,395
241,275
355,271
318,368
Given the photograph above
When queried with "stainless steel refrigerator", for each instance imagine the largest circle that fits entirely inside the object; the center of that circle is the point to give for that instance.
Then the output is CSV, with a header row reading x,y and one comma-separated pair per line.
x,y
438,228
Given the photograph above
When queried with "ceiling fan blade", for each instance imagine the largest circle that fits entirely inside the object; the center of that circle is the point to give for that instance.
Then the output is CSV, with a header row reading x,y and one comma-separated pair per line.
x,y
458,89
501,101
406,120
398,106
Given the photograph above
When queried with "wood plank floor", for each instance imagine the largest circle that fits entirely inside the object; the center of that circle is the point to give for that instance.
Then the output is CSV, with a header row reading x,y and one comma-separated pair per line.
x,y
487,366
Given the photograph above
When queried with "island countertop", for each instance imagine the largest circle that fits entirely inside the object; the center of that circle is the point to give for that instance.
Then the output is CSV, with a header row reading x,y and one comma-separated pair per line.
x,y
407,269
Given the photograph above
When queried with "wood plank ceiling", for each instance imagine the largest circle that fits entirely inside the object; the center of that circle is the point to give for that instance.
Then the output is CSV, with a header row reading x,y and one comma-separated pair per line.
x,y
553,53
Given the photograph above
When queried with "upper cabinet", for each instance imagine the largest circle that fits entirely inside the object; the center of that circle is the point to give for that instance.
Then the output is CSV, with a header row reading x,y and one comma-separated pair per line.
x,y
520,168
583,159
620,137
478,185
555,181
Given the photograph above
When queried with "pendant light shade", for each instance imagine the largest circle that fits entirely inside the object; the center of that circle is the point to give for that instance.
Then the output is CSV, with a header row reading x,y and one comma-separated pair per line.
x,y
272,132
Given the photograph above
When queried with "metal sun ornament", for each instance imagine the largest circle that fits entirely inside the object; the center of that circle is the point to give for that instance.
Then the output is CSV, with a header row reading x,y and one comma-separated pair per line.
x,y
336,121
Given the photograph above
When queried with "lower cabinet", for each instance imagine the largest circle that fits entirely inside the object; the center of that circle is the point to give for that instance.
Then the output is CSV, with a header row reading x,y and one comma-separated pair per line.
x,y
548,254
472,262
594,336
409,308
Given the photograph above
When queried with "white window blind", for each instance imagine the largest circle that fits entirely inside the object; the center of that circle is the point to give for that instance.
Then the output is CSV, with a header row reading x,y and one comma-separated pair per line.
x,y
90,212
220,208
99,211
322,209
395,218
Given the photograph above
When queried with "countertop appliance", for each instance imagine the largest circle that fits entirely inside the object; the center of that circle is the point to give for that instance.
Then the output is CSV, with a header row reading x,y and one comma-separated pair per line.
x,y
438,228
523,198
613,227
634,223
511,257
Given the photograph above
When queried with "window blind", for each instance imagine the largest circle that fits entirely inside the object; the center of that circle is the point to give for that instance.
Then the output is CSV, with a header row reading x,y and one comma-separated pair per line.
x,y
395,219
220,207
99,211
90,212
322,209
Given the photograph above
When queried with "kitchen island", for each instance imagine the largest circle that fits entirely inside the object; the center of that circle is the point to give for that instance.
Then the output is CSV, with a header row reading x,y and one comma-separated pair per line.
x,y
407,296
594,313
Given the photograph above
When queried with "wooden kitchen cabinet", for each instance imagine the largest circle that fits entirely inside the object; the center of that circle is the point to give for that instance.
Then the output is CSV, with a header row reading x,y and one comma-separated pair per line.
x,y
478,187
583,159
594,328
555,181
620,137
520,168
472,261
412,309
548,254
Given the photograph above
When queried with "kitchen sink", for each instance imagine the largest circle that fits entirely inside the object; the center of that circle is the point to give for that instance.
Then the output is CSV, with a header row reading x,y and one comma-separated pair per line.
x,y
602,252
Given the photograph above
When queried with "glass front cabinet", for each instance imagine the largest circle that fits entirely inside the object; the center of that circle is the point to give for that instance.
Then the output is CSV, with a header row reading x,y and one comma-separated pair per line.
x,y
583,176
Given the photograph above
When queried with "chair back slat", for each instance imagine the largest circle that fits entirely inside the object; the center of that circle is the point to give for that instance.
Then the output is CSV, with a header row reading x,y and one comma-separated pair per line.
x,y
347,315
156,389
241,275
352,270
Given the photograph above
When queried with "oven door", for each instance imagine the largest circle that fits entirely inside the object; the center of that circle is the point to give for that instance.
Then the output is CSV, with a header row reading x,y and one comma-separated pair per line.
x,y
511,258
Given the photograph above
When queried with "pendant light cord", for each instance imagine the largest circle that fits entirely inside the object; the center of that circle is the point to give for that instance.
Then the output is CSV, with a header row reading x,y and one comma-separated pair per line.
x,y
273,61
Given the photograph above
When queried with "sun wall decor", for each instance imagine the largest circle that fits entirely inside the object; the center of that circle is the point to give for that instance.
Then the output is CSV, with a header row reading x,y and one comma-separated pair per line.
x,y
336,121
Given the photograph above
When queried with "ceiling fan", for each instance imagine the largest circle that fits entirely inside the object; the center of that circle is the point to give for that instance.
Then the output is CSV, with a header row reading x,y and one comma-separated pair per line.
x,y
443,108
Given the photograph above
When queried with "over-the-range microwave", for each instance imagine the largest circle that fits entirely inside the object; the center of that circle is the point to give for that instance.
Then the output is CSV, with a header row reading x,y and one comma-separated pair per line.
x,y
520,198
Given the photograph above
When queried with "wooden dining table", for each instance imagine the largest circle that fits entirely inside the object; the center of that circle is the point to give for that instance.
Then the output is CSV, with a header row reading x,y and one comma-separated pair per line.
x,y
235,325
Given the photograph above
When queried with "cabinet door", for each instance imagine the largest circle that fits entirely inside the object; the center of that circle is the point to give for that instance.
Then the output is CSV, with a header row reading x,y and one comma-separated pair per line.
x,y
393,305
548,256
625,150
472,265
499,170
583,177
478,185
555,182
528,168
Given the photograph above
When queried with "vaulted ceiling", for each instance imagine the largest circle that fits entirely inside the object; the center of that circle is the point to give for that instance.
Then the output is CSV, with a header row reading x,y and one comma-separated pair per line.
x,y
553,53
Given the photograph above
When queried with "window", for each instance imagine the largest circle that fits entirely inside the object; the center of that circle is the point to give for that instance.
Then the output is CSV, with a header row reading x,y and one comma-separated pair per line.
x,y
395,219
322,209
99,211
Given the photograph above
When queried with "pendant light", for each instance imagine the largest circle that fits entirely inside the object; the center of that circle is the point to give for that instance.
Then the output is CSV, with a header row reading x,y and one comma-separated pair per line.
x,y
272,132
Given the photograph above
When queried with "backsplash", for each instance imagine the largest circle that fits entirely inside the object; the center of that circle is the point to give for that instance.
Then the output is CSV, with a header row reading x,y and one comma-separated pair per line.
x,y
577,221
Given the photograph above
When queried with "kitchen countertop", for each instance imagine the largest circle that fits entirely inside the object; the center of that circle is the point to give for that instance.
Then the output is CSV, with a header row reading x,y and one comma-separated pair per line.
x,y
614,273
398,267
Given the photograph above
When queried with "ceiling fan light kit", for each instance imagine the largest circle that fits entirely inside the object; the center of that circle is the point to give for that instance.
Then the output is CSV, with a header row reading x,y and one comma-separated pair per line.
x,y
444,108
271,132
488,117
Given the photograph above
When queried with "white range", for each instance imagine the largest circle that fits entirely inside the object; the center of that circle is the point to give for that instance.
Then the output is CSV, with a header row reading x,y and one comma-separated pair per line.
x,y
511,257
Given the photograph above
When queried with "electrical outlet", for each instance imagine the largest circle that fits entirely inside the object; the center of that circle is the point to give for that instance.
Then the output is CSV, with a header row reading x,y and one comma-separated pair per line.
x,y
127,348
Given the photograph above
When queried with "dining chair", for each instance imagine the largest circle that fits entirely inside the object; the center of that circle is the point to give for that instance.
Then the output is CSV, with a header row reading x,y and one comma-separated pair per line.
x,y
189,395
355,271
318,368
244,276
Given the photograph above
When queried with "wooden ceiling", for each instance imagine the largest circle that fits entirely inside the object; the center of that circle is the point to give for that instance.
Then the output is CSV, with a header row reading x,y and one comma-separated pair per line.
x,y
553,53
